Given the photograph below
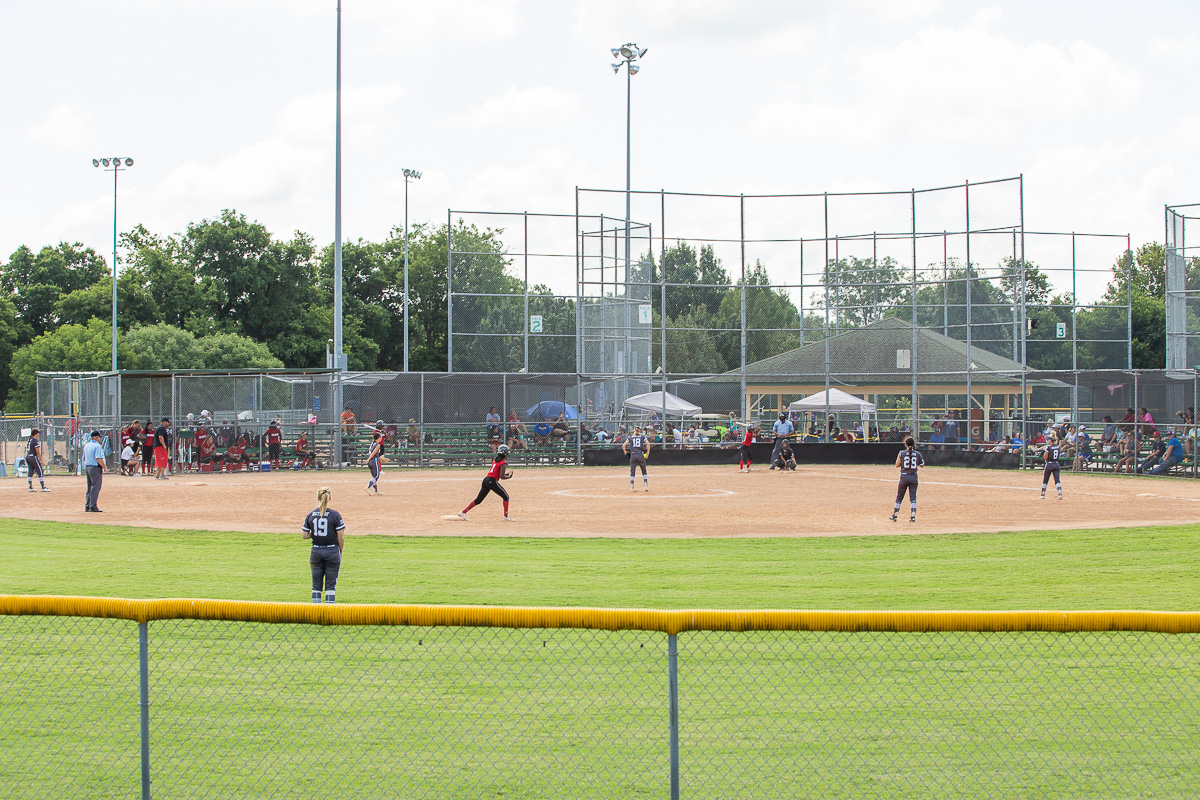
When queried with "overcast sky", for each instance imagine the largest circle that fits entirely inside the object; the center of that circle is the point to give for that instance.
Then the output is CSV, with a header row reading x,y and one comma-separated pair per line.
x,y
510,104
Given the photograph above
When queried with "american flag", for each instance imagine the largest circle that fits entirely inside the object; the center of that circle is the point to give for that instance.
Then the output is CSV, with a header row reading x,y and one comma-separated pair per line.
x,y
1112,388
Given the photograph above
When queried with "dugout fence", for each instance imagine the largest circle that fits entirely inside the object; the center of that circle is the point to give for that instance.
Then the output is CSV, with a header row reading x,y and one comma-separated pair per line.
x,y
199,698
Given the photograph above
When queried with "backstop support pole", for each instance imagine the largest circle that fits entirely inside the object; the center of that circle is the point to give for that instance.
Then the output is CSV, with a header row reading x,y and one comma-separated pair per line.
x,y
673,689
144,704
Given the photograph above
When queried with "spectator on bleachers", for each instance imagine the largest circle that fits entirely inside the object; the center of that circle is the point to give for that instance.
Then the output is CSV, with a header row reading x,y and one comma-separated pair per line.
x,y
1002,446
541,433
560,430
1158,449
516,431
1016,444
950,429
1126,455
937,439
585,435
349,423
493,423
1147,421
1127,421
1172,455
1110,434
1083,449
1069,441
602,434
412,434
1188,415
1189,447
620,437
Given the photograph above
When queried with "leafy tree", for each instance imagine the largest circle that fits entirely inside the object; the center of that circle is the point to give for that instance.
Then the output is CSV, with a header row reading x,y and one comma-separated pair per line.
x,y
170,278
36,283
163,346
231,351
695,279
862,290
70,348
1147,274
9,336
691,345
135,305
252,283
772,321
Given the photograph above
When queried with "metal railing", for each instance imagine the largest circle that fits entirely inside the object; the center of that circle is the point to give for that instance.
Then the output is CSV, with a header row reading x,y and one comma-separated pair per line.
x,y
239,699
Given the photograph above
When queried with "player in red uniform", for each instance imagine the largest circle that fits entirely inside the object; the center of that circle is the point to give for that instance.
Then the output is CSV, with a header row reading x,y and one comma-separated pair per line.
x,y
274,439
744,450
492,483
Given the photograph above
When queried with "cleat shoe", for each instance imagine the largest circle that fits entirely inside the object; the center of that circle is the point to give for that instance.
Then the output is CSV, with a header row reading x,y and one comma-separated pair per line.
x,y
368,491
31,489
1060,497
461,515
893,518
509,519
45,488
912,519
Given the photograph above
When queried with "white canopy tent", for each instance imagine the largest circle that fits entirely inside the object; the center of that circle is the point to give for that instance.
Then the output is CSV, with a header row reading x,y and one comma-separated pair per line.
x,y
662,402
837,401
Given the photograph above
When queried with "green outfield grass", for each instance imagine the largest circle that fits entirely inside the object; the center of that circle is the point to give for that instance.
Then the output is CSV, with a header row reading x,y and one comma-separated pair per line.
x,y
1112,568
249,710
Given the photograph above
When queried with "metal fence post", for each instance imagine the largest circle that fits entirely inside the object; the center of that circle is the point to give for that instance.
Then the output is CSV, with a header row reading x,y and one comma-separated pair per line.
x,y
673,689
144,704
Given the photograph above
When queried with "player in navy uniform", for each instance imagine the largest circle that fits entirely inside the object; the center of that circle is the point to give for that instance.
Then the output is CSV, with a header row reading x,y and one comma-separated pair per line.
x,y
637,447
1052,453
375,459
491,483
909,461
33,461
328,533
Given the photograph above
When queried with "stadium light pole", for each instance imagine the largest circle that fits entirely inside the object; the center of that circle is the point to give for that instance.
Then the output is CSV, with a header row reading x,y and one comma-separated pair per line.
x,y
628,53
409,176
337,247
117,165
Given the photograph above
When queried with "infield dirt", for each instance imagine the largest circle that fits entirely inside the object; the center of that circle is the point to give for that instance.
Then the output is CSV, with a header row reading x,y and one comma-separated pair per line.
x,y
699,501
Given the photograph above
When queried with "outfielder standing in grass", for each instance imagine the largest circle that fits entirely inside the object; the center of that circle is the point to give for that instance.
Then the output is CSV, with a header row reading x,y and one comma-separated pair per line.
x,y
328,533
491,483
33,461
637,447
909,461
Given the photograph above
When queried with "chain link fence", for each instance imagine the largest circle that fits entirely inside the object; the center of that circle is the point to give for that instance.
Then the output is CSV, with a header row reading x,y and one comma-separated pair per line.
x,y
419,702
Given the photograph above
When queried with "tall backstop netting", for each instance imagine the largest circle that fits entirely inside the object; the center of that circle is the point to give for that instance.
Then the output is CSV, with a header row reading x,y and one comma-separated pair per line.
x,y
201,698
1183,286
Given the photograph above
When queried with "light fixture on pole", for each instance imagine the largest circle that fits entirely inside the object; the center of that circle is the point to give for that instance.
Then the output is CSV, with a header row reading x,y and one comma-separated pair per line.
x,y
117,165
409,175
627,53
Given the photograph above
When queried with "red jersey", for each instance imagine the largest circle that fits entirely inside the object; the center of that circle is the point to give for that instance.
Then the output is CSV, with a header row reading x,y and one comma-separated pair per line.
x,y
749,437
236,450
202,436
497,470
274,436
126,437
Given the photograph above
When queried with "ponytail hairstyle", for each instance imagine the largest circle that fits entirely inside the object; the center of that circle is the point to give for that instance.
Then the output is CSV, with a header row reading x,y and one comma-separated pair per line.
x,y
637,429
909,443
323,496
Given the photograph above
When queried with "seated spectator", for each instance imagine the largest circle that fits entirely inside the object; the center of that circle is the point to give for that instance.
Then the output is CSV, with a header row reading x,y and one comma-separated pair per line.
x,y
493,427
677,437
1125,452
1158,449
1002,446
561,429
348,422
786,459
1189,446
1068,441
1147,421
1083,449
937,439
1110,434
602,435
541,433
585,435
1172,455
620,438
412,434
1188,415
1016,444
1128,420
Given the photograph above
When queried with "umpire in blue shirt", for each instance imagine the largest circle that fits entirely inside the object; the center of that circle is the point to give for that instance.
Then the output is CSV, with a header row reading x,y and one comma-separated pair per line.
x,y
783,431
93,466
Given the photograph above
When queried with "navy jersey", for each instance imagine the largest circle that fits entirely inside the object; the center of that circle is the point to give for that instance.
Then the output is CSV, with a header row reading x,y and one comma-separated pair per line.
x,y
377,442
1052,453
637,446
323,528
33,448
910,461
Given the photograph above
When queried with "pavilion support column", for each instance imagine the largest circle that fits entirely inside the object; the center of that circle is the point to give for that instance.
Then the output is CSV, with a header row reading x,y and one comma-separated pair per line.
x,y
987,416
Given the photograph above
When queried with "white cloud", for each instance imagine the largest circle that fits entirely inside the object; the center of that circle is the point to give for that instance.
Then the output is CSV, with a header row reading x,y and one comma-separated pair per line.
x,y
63,128
535,107
964,85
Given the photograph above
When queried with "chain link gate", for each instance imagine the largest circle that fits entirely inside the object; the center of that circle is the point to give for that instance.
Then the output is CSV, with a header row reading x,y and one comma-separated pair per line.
x,y
278,700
